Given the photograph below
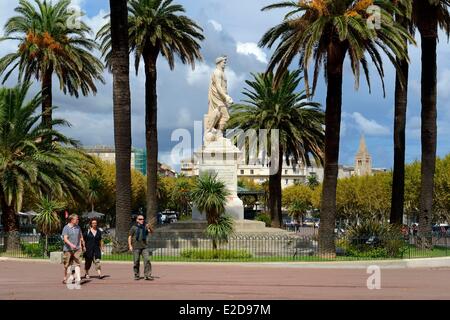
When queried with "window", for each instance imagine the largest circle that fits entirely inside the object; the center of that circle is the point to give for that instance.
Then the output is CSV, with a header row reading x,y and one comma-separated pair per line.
x,y
287,181
285,172
252,171
242,171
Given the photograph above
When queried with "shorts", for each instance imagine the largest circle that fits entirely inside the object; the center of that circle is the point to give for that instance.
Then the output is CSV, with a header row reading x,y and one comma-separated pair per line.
x,y
72,258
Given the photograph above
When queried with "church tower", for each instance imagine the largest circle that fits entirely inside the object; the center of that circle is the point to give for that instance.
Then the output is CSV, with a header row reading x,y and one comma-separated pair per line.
x,y
363,160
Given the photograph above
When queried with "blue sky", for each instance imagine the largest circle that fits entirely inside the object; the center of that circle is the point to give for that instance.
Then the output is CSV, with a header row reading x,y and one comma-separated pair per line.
x,y
233,27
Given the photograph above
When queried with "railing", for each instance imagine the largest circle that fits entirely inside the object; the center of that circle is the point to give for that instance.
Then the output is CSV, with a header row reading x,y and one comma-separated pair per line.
x,y
246,248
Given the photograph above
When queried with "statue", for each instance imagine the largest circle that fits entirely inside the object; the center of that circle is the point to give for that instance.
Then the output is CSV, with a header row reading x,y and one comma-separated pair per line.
x,y
219,101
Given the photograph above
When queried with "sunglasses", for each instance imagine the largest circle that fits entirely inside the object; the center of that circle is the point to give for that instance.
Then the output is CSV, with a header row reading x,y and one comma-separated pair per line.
x,y
140,219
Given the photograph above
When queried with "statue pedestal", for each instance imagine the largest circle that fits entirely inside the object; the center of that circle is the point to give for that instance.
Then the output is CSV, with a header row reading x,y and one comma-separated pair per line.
x,y
221,157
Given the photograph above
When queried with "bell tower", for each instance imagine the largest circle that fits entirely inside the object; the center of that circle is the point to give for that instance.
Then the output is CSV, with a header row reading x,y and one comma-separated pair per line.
x,y
363,160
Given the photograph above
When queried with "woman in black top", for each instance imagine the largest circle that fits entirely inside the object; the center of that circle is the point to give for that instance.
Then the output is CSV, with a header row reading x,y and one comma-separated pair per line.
x,y
94,248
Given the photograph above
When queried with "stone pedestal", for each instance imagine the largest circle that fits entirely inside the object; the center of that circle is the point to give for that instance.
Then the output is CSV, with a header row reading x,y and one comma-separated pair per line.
x,y
221,157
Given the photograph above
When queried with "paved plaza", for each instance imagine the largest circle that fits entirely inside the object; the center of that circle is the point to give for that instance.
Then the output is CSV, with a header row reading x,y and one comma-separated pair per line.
x,y
42,280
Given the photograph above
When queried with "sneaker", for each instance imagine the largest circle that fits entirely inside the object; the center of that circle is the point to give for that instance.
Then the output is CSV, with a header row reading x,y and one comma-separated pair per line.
x,y
137,278
149,278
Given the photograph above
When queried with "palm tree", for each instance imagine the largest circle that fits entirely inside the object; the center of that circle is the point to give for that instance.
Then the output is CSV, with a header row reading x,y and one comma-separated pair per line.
x,y
48,45
326,31
30,165
156,27
94,189
120,66
298,209
428,16
401,104
299,121
209,195
47,220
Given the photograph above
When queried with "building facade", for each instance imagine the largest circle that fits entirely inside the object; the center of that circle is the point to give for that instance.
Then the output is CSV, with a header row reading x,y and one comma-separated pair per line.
x,y
138,159
294,173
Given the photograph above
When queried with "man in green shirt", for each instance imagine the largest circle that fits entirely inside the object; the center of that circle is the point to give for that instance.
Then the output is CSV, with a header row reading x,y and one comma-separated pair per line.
x,y
137,243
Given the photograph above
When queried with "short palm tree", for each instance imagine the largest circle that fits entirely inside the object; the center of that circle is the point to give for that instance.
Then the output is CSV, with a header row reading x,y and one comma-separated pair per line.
x,y
298,209
209,195
326,32
220,231
156,27
429,16
299,121
47,220
48,45
28,164
94,189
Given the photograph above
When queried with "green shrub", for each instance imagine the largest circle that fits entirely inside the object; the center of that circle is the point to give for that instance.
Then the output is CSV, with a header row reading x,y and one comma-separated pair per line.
x,y
374,239
37,250
219,254
371,253
186,217
34,250
264,217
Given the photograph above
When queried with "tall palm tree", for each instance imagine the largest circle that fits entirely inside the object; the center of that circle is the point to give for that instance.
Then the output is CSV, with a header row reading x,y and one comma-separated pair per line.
x,y
156,27
428,16
48,45
120,66
327,31
401,104
299,121
28,164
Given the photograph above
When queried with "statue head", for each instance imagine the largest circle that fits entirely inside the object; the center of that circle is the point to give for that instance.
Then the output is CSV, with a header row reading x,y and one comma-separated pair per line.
x,y
221,62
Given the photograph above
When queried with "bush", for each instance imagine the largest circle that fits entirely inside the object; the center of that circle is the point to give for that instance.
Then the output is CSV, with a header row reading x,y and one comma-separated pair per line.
x,y
264,217
373,239
34,250
221,254
37,250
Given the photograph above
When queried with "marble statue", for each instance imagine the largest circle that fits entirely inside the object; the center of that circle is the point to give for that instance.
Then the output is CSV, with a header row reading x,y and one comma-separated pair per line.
x,y
219,101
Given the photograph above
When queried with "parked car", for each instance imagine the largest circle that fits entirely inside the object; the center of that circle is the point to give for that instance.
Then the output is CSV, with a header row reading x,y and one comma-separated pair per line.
x,y
308,222
441,230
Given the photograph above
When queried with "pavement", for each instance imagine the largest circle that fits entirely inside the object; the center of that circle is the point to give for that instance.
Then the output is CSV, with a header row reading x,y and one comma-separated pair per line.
x,y
41,280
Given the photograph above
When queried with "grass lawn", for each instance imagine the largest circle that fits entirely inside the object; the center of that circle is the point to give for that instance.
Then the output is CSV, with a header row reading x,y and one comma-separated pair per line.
x,y
411,253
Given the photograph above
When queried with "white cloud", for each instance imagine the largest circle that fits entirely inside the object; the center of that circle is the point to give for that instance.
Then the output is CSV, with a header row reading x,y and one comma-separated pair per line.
x,y
444,84
97,21
202,74
251,48
369,127
217,26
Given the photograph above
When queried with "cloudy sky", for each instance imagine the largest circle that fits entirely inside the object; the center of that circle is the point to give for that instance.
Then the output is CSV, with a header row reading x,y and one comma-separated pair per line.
x,y
234,27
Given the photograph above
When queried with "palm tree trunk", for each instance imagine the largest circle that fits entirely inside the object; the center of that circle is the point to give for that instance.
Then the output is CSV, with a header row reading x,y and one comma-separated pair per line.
x,y
122,119
10,222
275,193
336,55
428,29
398,182
151,130
47,98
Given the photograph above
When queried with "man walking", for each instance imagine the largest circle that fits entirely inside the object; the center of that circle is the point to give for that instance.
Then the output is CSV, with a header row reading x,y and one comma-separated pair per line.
x,y
137,243
73,247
